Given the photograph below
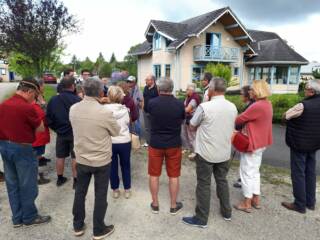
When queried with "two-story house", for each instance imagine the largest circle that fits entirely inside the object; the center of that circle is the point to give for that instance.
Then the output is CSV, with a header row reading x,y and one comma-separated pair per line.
x,y
181,50
4,71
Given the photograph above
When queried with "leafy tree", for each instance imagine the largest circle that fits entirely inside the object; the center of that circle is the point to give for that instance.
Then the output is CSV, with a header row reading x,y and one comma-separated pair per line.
x,y
105,70
316,74
75,63
23,65
113,59
220,70
87,64
131,62
34,29
99,62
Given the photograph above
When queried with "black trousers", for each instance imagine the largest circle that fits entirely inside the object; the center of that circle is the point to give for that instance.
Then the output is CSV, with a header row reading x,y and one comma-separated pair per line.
x,y
101,182
303,176
205,170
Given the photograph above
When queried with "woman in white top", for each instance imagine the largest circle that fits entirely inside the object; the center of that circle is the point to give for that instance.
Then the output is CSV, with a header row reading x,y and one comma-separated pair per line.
x,y
121,145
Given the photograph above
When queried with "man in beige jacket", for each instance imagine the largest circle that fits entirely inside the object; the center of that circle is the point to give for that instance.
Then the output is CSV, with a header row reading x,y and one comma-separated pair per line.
x,y
93,125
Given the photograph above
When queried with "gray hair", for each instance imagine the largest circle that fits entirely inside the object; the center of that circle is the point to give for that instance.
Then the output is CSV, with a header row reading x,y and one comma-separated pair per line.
x,y
165,85
92,87
191,86
314,84
218,85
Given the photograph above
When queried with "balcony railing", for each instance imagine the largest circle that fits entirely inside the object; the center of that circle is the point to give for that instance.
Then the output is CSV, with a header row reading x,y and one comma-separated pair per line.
x,y
218,54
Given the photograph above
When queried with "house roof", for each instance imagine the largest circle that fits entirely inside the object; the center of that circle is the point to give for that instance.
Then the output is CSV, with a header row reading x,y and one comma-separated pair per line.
x,y
180,32
270,48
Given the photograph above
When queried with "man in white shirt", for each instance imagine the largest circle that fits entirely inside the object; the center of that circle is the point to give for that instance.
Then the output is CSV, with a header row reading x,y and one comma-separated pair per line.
x,y
214,121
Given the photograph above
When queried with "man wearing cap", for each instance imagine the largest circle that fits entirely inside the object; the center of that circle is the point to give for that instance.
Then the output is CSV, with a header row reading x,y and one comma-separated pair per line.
x,y
137,96
17,133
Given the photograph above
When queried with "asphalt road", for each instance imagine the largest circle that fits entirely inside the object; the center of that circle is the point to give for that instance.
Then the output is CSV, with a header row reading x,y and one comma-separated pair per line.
x,y
278,154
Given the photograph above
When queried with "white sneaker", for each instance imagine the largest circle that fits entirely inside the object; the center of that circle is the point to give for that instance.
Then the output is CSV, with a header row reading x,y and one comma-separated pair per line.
x,y
127,194
116,194
145,145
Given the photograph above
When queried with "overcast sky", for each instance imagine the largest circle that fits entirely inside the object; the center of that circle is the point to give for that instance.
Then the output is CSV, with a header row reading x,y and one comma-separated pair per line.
x,y
114,25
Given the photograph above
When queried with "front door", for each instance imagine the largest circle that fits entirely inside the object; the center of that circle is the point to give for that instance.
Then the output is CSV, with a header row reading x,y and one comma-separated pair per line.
x,y
213,44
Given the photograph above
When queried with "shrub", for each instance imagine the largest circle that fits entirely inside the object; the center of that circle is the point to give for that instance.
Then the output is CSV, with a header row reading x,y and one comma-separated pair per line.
x,y
220,70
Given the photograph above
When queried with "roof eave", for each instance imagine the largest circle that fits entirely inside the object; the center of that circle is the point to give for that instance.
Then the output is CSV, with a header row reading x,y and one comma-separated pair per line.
x,y
276,62
216,19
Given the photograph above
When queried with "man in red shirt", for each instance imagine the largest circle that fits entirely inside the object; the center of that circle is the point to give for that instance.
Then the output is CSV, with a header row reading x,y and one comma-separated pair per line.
x,y
19,123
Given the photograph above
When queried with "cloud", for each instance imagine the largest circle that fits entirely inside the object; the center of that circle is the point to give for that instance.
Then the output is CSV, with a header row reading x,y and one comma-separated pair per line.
x,y
116,25
273,11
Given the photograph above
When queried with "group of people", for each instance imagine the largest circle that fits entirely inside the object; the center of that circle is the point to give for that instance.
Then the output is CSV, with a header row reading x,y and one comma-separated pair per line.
x,y
94,122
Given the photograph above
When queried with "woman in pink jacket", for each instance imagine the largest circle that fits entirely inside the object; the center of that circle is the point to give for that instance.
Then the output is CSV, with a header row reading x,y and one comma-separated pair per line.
x,y
258,127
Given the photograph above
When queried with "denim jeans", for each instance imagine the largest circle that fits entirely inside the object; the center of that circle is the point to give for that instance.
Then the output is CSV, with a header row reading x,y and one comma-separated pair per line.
x,y
303,176
21,174
101,182
121,152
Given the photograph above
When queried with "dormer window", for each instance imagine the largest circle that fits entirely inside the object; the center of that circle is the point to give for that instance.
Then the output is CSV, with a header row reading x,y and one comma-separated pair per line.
x,y
156,41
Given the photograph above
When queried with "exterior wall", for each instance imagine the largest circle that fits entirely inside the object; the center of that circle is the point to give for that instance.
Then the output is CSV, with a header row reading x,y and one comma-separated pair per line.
x,y
144,68
4,72
187,53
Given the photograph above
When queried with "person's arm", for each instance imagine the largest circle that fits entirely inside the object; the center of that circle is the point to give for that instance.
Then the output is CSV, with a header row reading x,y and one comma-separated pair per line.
x,y
50,116
294,112
192,105
41,127
249,115
111,125
197,118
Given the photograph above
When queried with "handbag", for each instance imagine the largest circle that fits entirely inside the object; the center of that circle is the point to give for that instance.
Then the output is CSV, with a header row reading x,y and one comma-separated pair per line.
x,y
240,142
135,140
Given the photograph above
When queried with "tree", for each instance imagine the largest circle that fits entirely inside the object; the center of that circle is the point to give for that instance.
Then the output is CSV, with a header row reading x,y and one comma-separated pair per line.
x,y
87,64
34,29
105,70
220,70
23,65
99,62
75,63
131,62
113,59
316,73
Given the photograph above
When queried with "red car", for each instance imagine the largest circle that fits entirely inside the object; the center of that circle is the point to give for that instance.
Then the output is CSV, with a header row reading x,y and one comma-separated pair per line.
x,y
49,78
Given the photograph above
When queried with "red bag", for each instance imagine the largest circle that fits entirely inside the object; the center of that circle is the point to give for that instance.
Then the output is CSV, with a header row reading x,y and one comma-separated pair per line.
x,y
240,142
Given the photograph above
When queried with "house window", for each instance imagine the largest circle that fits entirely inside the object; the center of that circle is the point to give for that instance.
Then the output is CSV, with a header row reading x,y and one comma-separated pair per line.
x,y
294,75
266,74
197,73
168,70
168,42
236,71
156,41
157,71
281,75
251,75
257,75
3,71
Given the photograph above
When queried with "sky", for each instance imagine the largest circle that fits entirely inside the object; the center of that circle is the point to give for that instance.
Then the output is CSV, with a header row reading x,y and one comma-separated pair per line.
x,y
109,26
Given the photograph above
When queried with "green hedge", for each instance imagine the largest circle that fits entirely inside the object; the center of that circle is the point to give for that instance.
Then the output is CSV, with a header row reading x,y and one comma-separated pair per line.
x,y
280,103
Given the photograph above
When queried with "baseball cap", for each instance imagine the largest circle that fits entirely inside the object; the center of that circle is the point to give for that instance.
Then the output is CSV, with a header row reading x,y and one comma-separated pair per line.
x,y
131,79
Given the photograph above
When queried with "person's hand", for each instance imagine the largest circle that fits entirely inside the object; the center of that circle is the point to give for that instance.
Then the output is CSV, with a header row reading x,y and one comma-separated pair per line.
x,y
104,100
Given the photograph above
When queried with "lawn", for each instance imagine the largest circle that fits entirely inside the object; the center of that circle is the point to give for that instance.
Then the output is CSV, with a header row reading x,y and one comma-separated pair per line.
x,y
49,91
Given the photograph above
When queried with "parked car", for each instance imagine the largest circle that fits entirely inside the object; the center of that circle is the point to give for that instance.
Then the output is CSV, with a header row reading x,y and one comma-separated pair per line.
x,y
49,78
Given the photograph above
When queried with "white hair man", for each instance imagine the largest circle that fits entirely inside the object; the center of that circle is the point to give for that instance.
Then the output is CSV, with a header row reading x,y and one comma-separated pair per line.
x,y
303,138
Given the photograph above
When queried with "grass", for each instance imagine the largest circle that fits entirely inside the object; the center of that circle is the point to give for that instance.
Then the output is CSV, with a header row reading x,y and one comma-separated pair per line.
x,y
49,92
